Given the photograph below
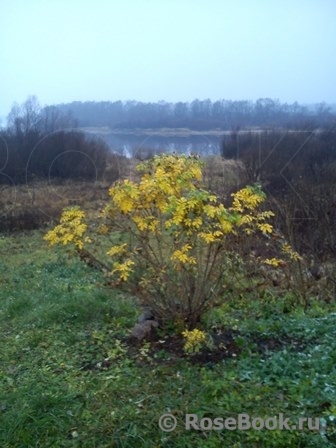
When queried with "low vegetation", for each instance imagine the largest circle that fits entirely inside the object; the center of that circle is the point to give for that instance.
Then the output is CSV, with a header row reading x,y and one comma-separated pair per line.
x,y
72,372
298,173
70,376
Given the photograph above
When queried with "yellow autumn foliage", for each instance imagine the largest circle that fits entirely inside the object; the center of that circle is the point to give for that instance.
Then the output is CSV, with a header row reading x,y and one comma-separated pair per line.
x,y
174,233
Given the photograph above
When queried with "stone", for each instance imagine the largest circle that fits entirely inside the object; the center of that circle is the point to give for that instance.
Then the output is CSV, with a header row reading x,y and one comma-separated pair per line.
x,y
143,330
146,315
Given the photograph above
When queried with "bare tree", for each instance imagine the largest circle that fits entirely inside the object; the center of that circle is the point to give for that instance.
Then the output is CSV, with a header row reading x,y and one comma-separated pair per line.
x,y
25,118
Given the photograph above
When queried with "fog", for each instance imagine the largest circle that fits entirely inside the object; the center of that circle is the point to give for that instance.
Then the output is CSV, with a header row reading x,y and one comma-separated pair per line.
x,y
80,50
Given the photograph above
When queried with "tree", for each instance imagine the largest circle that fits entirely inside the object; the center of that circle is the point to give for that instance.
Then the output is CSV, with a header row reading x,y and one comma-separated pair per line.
x,y
26,118
53,119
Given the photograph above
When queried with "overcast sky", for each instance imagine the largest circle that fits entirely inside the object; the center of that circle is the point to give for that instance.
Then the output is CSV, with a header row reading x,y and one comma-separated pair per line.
x,y
173,50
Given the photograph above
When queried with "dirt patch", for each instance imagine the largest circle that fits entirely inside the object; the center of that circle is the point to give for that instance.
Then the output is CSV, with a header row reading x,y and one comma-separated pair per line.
x,y
225,344
170,348
272,344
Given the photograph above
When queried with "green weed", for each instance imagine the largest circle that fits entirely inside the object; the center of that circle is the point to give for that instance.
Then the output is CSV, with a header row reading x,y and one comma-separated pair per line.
x,y
68,378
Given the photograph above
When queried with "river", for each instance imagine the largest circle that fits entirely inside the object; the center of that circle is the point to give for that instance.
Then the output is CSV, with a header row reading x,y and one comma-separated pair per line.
x,y
145,143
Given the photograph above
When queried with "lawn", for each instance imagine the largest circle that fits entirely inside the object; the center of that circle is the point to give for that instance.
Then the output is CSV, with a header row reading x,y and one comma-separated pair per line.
x,y
71,377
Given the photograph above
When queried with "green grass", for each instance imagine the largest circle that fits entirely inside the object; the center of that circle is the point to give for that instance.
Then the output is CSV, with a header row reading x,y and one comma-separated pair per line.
x,y
67,378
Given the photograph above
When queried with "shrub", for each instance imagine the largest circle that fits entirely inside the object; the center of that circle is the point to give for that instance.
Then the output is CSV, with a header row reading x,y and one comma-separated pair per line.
x,y
173,253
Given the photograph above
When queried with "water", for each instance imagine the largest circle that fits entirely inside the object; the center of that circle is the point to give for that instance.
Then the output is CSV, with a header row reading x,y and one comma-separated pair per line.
x,y
143,145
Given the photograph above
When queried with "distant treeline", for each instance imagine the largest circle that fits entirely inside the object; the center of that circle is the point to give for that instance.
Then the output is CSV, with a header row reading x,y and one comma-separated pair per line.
x,y
42,143
200,115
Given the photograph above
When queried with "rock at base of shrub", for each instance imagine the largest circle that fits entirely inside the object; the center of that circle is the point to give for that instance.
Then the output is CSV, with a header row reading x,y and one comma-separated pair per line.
x,y
143,330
